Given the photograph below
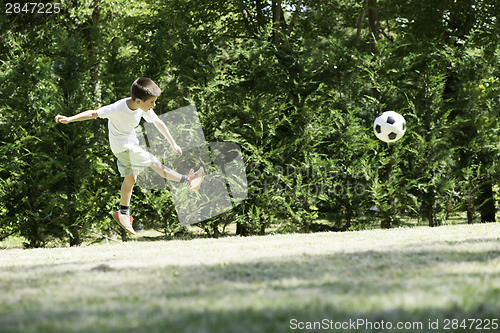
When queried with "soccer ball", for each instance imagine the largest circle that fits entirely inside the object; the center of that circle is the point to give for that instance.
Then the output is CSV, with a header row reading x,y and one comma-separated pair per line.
x,y
390,126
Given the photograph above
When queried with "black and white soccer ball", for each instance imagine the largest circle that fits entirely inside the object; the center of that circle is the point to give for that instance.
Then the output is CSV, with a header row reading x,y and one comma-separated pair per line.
x,y
390,126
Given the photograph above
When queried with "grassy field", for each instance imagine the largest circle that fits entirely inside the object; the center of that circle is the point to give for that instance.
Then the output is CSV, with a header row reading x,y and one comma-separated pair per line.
x,y
421,279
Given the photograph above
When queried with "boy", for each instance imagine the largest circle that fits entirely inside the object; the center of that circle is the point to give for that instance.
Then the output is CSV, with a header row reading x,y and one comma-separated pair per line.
x,y
123,116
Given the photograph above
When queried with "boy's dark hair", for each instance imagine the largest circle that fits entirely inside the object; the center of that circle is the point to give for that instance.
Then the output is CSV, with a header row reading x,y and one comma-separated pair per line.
x,y
144,88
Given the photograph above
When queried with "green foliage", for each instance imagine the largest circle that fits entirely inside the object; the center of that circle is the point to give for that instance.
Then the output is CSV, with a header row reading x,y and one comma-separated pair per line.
x,y
296,84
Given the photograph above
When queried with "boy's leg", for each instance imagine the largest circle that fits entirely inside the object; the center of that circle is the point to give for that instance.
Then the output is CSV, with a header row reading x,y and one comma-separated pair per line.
x,y
165,172
122,218
126,190
139,159
193,179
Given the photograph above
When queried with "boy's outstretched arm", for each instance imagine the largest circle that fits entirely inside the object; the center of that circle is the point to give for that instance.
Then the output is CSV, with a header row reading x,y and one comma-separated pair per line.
x,y
160,125
85,115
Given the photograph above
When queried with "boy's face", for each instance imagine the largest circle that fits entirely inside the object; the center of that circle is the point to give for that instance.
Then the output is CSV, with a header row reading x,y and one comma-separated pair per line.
x,y
147,104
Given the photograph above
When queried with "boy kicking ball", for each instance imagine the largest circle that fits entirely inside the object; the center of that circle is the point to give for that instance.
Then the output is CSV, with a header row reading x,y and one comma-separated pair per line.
x,y
123,117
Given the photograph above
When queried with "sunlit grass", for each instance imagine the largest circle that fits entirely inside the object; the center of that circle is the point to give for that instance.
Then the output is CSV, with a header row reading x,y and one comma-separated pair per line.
x,y
254,284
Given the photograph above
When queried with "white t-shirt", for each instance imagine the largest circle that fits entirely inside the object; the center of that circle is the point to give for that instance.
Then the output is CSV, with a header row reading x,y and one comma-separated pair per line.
x,y
122,123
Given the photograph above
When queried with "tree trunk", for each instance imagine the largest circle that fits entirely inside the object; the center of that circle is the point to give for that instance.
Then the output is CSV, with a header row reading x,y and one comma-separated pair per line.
x,y
386,223
124,234
470,215
241,230
487,202
277,22
75,238
373,22
360,27
428,204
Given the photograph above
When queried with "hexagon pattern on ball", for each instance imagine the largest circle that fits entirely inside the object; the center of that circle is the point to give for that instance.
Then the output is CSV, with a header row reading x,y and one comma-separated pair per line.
x,y
390,126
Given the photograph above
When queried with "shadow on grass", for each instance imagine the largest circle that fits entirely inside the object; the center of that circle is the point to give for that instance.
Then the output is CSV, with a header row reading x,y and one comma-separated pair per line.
x,y
270,294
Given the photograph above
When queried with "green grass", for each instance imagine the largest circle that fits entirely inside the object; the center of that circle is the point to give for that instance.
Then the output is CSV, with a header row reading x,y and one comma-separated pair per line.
x,y
257,284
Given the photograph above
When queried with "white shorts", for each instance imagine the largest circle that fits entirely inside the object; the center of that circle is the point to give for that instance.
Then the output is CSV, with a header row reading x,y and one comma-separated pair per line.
x,y
134,161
